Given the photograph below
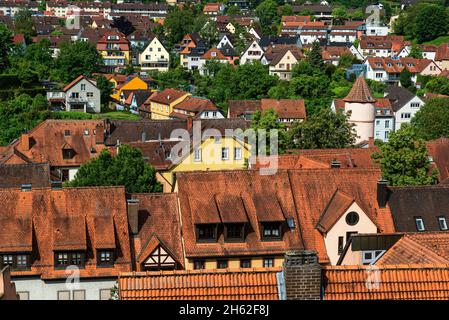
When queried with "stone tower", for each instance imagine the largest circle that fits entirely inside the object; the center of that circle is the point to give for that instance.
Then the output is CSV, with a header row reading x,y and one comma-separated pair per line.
x,y
361,104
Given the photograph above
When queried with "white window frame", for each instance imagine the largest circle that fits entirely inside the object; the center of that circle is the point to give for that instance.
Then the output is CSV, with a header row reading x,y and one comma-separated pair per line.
x,y
224,151
237,155
442,223
197,155
419,222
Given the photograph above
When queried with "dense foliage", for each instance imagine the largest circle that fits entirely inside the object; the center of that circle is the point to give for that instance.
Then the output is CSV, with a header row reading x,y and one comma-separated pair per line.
x,y
432,120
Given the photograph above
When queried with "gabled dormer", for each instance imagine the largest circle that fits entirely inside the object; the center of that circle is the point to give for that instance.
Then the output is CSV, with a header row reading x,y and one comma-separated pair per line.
x,y
341,218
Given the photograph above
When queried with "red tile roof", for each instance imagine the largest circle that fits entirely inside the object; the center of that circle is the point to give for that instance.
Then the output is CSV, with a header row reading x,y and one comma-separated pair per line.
x,y
222,284
285,108
246,190
442,52
439,151
43,220
337,206
391,65
360,92
194,104
398,282
209,54
167,96
71,84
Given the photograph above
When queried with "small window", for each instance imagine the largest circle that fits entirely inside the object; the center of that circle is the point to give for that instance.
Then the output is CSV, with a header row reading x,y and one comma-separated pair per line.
x,y
340,244
419,224
199,264
64,295
79,294
268,262
86,132
352,218
90,94
271,231
67,133
83,87
197,155
245,263
65,259
105,257
234,232
206,232
237,153
224,153
442,223
222,264
105,294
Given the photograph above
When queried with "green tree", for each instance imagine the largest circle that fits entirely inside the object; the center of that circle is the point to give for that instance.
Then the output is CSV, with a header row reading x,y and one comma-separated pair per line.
x,y
128,168
438,85
5,46
23,23
404,160
415,52
268,121
432,119
178,23
267,14
405,77
209,32
77,58
323,130
105,87
431,22
233,10
285,10
315,57
339,15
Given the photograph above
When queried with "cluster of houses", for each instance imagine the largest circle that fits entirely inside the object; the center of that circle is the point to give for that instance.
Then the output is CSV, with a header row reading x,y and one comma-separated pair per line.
x,y
325,211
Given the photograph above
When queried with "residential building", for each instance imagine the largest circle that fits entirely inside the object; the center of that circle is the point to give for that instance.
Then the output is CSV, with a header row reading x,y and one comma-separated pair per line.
x,y
288,110
154,57
17,175
388,69
253,52
115,50
211,56
124,83
197,108
213,9
162,103
283,60
404,103
442,56
81,95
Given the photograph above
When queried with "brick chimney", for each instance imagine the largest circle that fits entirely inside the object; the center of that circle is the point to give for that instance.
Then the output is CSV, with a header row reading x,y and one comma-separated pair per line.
x,y
189,123
133,215
99,134
302,275
25,142
382,193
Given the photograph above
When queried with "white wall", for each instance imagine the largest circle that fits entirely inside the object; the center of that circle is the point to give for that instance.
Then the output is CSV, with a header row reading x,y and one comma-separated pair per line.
x,y
48,290
407,109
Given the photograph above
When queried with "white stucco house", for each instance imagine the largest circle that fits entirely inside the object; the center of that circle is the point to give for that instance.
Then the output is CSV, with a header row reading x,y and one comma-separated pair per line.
x,y
154,57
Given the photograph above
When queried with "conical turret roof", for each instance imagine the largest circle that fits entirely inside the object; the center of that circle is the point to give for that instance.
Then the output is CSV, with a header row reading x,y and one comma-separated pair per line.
x,y
360,92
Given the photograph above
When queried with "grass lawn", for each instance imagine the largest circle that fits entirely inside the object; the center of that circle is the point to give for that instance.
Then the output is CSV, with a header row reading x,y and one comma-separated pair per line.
x,y
438,40
116,115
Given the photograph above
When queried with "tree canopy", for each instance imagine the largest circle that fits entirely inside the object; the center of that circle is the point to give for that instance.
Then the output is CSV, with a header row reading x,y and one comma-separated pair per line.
x,y
128,168
404,159
432,119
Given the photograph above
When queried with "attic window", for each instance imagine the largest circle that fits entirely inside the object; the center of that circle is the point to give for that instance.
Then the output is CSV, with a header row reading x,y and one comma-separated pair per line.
x,y
234,232
67,133
352,218
419,224
68,154
271,230
442,223
206,233
105,258
65,259
86,132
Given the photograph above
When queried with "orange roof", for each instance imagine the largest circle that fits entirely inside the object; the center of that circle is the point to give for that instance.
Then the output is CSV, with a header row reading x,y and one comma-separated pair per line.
x,y
167,96
71,84
213,53
398,282
221,284
285,108
421,248
360,92
337,206
391,65
195,104
212,7
439,151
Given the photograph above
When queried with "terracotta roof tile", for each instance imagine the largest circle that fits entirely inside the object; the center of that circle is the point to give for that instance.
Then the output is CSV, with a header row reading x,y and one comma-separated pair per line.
x,y
439,151
13,176
360,92
167,96
398,282
225,284
336,207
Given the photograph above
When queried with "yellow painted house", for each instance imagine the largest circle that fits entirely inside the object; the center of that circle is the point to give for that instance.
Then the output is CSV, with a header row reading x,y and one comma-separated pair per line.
x,y
225,153
162,103
135,83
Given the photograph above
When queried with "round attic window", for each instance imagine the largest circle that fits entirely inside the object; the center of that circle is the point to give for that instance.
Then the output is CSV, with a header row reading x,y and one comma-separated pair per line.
x,y
352,218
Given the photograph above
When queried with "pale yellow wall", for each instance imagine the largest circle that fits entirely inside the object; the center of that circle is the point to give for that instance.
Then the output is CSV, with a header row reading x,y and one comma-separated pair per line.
x,y
364,225
352,258
444,64
428,72
234,263
211,157
160,111
154,55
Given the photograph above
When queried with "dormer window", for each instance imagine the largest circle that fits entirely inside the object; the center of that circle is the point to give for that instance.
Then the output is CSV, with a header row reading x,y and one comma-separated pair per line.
x,y
68,154
234,232
213,54
105,258
16,261
442,223
206,233
419,224
67,133
66,259
271,230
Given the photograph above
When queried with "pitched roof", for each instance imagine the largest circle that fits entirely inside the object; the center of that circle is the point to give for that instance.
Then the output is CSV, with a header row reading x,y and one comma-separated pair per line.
x,y
336,207
64,219
15,175
167,96
245,189
313,190
195,104
360,92
221,284
158,220
442,52
397,282
418,248
78,79
213,53
396,65
285,108
439,151
47,140
398,96
155,152
427,202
